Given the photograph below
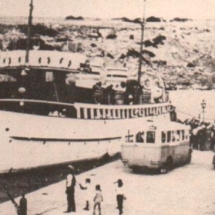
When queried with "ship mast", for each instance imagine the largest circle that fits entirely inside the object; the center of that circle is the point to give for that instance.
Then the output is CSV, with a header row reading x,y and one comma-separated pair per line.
x,y
29,32
142,23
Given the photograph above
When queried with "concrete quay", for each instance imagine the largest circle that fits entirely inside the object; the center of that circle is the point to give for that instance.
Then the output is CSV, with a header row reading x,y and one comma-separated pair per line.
x,y
187,190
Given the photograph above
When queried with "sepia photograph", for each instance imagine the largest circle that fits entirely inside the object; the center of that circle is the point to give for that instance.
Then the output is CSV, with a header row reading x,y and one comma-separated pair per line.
x,y
107,107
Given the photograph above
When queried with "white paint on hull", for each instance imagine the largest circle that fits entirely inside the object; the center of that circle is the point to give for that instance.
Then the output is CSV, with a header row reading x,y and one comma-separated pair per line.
x,y
26,153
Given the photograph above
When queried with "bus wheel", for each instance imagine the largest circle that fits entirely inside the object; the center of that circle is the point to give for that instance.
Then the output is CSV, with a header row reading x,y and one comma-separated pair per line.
x,y
167,166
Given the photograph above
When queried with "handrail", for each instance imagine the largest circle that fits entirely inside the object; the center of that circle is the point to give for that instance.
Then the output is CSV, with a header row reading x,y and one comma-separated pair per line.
x,y
78,105
97,111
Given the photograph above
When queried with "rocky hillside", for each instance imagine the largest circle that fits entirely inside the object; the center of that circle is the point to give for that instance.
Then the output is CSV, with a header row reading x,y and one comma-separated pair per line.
x,y
180,50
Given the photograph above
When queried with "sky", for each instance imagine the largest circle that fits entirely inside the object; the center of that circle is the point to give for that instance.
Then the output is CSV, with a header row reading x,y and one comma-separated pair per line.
x,y
195,9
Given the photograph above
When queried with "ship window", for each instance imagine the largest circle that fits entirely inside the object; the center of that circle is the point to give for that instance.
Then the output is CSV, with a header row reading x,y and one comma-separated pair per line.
x,y
49,77
150,137
163,137
178,137
168,136
140,137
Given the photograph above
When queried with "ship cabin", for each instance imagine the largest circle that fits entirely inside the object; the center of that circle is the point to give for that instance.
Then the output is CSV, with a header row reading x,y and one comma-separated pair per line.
x,y
157,146
48,85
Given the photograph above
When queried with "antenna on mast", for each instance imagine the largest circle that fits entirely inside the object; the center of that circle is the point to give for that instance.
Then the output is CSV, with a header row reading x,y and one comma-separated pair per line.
x,y
29,32
142,23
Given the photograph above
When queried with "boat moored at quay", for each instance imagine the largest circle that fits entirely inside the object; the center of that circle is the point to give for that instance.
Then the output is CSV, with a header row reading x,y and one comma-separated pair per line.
x,y
56,107
43,121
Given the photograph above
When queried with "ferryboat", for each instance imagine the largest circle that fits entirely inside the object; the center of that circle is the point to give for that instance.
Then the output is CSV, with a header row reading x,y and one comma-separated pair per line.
x,y
157,146
46,120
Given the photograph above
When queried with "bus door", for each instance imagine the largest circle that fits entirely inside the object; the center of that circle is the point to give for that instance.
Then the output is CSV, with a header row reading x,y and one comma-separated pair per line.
x,y
182,147
139,150
186,142
152,149
177,148
166,140
127,148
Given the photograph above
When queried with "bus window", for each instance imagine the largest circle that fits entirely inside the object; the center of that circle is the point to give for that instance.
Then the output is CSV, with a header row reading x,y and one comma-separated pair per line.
x,y
178,137
182,134
140,137
186,134
168,136
150,137
163,137
173,136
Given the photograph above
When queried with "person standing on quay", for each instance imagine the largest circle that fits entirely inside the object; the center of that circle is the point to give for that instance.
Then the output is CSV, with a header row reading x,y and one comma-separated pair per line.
x,y
21,208
97,200
23,205
120,196
86,187
70,189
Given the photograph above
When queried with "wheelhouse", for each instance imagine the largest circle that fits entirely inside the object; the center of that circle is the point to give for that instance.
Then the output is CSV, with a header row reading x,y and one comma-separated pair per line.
x,y
115,76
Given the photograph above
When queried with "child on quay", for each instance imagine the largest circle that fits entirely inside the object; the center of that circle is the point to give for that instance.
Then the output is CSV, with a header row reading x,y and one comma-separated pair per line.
x,y
86,188
97,200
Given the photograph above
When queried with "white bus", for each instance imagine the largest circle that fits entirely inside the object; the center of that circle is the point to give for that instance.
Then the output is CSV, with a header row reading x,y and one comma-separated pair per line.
x,y
159,146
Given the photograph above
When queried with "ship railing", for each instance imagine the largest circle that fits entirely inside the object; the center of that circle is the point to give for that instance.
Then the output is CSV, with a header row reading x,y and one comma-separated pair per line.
x,y
97,111
87,111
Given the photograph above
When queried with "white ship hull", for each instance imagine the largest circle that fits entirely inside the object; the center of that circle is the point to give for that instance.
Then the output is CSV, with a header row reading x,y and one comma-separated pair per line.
x,y
45,120
29,141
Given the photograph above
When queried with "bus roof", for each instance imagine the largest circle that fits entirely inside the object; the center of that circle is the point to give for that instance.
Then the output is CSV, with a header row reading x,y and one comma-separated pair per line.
x,y
160,126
